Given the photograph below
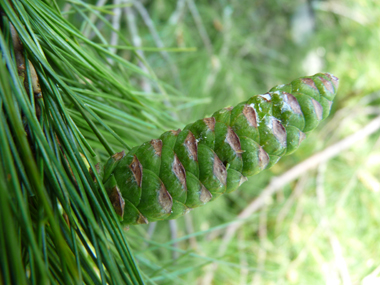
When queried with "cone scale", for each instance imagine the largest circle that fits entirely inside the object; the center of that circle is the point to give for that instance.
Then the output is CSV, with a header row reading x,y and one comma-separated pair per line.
x,y
166,177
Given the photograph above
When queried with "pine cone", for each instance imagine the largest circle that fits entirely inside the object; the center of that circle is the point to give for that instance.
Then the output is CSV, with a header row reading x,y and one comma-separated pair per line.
x,y
166,177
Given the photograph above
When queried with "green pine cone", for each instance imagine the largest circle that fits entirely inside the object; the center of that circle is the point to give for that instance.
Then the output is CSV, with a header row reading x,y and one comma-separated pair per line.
x,y
167,177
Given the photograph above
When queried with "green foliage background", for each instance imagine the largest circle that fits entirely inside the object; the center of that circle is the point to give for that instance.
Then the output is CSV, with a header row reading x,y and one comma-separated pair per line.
x,y
197,57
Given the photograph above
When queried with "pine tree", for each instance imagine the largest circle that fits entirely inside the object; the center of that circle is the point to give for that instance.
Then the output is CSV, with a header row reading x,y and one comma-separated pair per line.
x,y
61,98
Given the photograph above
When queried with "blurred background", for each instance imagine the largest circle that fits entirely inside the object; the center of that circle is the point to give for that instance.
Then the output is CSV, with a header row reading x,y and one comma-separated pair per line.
x,y
321,226
314,218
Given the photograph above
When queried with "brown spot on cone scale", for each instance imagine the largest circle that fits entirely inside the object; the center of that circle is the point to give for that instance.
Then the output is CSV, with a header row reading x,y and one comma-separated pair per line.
x,y
318,109
302,137
263,158
309,82
137,170
179,171
187,210
157,145
219,170
210,122
250,114
165,200
119,155
191,146
293,103
328,84
142,220
267,97
117,201
334,80
175,132
279,131
205,195
233,140
242,179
